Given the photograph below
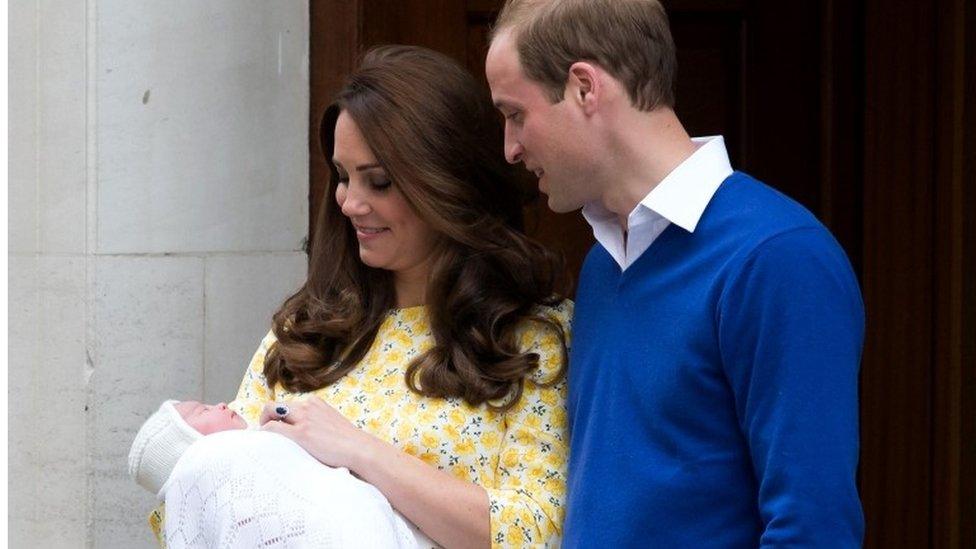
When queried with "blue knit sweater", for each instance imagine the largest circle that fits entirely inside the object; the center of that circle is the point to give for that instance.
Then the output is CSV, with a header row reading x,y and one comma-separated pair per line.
x,y
713,385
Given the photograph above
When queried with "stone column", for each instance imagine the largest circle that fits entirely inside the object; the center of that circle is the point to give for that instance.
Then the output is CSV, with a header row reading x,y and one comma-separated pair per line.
x,y
158,204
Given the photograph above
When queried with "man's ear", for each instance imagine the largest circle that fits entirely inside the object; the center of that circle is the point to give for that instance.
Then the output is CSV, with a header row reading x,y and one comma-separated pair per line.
x,y
584,86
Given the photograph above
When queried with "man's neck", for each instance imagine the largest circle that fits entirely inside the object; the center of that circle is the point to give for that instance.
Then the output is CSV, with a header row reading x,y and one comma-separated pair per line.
x,y
645,149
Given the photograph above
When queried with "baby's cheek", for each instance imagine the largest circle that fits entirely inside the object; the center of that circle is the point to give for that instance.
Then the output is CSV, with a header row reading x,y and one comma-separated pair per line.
x,y
198,424
222,424
210,423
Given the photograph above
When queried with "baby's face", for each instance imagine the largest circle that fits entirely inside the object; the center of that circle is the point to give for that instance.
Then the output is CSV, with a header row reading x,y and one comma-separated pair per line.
x,y
208,419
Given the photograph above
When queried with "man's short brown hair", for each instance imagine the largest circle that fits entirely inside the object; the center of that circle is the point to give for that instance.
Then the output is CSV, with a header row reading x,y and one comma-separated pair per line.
x,y
630,39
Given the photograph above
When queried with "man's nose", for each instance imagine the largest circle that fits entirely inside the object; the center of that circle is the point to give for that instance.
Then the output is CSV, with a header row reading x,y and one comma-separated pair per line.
x,y
513,151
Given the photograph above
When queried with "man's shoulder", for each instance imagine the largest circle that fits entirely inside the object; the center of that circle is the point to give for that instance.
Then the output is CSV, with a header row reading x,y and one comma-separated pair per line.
x,y
746,213
748,200
768,234
751,227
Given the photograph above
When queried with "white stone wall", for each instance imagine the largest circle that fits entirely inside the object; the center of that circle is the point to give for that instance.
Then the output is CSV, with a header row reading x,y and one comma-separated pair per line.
x,y
157,204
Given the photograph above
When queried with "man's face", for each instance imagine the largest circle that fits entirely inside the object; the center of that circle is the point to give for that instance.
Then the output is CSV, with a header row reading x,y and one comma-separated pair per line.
x,y
550,139
208,419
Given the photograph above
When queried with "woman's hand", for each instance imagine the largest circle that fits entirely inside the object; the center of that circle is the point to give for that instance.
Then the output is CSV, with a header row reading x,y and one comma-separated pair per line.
x,y
321,430
452,511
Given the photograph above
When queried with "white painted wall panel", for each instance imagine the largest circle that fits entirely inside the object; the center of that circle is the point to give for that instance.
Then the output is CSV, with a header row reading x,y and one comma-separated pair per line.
x,y
22,532
47,419
242,294
22,127
148,317
22,319
60,419
68,533
203,114
151,235
110,533
62,126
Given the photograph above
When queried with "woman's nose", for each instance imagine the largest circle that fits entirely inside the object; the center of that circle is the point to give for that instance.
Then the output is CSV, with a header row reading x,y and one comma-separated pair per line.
x,y
353,205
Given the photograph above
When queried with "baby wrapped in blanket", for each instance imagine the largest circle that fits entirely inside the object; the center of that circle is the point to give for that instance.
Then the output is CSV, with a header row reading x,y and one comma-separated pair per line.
x,y
225,485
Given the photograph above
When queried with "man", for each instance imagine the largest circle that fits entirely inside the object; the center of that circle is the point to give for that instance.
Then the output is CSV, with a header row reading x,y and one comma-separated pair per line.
x,y
718,326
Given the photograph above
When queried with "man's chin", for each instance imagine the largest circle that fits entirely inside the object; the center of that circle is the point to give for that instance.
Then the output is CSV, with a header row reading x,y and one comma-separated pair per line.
x,y
561,206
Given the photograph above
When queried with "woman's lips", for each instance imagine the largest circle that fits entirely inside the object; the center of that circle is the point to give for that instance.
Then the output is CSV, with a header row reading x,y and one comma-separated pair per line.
x,y
369,233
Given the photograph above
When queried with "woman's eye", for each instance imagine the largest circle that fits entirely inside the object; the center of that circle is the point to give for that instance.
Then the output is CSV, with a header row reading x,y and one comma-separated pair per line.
x,y
381,185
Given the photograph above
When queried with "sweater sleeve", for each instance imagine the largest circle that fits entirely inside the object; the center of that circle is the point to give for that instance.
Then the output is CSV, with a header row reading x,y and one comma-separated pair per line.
x,y
791,330
527,496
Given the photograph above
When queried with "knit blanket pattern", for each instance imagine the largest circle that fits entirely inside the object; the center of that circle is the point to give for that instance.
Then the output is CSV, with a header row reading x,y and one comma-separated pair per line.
x,y
253,488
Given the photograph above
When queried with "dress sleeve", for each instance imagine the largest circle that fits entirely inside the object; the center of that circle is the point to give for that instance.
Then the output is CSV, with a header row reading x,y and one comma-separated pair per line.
x,y
527,496
155,519
254,392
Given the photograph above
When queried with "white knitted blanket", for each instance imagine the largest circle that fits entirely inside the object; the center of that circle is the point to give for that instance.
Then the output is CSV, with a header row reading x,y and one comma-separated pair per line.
x,y
260,489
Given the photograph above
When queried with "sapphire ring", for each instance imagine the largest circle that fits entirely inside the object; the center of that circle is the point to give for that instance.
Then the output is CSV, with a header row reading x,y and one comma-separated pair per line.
x,y
281,410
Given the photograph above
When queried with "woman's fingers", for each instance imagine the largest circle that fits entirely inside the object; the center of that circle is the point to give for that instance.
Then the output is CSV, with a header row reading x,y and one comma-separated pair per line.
x,y
318,428
267,413
279,427
281,412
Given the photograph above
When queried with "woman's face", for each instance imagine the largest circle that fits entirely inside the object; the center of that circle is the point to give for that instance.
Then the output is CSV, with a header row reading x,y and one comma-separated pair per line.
x,y
391,235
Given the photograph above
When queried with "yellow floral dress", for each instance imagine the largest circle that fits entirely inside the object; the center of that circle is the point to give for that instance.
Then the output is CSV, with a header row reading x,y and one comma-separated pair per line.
x,y
519,457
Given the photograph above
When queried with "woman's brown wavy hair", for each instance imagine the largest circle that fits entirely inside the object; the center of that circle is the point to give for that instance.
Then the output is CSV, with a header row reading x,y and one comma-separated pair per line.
x,y
437,135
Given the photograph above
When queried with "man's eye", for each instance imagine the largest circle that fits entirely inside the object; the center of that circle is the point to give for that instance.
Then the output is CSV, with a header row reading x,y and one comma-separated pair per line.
x,y
513,116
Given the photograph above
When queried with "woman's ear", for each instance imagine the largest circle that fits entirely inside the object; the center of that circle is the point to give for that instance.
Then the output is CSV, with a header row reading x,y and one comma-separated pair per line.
x,y
584,86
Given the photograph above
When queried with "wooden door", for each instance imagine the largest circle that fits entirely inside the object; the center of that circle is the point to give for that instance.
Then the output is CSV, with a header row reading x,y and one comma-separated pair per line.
x,y
858,110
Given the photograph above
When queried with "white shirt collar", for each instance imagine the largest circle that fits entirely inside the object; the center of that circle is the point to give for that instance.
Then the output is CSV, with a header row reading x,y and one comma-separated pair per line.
x,y
680,198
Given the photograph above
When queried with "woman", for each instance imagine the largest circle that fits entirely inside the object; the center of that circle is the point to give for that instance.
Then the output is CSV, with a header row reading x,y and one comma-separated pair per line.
x,y
426,351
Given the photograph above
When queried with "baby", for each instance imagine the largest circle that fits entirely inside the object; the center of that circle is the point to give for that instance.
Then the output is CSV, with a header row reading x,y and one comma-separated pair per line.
x,y
229,486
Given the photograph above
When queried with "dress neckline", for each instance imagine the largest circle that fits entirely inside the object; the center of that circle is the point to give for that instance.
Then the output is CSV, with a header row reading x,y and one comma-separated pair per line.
x,y
402,309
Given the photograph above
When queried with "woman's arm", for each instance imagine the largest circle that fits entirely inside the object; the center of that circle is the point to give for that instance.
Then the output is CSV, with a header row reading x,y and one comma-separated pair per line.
x,y
522,504
526,496
451,511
